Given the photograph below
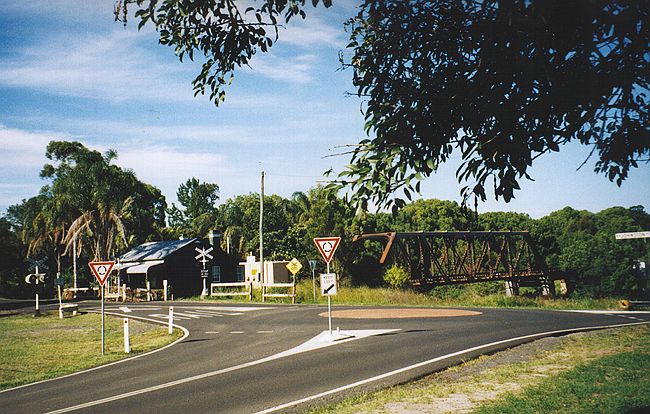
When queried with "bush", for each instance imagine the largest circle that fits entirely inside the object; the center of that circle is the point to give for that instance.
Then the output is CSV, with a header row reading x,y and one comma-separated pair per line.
x,y
397,277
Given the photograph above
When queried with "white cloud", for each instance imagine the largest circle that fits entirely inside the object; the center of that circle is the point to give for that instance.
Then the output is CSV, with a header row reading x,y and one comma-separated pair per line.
x,y
312,32
115,68
165,166
286,69
19,148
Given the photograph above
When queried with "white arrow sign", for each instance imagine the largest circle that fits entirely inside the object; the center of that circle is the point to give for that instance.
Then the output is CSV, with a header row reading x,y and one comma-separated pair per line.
x,y
328,284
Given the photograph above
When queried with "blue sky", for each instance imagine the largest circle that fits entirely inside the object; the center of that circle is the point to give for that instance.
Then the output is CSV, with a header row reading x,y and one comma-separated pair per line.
x,y
69,72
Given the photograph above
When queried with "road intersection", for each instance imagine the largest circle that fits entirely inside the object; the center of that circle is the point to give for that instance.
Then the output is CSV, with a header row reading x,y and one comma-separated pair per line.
x,y
258,359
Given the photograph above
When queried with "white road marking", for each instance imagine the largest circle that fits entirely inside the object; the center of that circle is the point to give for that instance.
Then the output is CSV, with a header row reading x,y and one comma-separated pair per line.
x,y
212,332
228,309
125,309
292,351
604,312
264,332
433,360
236,332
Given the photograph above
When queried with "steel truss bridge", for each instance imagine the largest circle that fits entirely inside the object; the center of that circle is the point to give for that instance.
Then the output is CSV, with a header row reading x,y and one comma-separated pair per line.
x,y
445,258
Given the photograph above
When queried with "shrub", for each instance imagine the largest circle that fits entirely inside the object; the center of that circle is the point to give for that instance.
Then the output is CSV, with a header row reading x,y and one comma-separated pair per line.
x,y
397,277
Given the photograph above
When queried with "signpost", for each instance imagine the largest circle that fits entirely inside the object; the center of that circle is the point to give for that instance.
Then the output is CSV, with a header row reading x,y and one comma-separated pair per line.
x,y
312,265
633,235
328,288
35,279
101,271
204,256
639,266
59,282
327,247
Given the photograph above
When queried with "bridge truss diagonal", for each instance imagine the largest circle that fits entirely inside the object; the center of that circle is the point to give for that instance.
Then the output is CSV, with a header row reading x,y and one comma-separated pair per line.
x,y
444,258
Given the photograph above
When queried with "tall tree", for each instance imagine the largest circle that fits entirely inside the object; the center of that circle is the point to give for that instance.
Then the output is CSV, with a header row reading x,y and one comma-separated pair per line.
x,y
198,214
501,83
98,197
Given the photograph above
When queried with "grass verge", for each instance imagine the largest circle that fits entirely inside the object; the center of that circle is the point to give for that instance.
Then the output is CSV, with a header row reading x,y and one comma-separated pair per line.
x,y
604,372
35,349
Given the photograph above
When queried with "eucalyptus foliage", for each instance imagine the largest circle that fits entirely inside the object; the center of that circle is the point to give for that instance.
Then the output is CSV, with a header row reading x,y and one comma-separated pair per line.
x,y
499,83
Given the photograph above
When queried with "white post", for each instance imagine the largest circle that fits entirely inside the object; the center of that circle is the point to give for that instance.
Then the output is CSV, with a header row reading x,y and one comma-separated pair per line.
x,y
102,319
37,311
329,305
148,291
165,290
58,289
124,292
127,343
329,312
170,325
313,282
74,266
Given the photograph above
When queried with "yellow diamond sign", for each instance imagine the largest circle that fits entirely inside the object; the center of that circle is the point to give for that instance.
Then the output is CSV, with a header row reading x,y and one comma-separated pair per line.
x,y
294,266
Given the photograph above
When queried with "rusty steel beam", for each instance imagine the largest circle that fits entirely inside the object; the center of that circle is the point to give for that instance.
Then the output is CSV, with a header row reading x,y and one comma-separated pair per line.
x,y
441,257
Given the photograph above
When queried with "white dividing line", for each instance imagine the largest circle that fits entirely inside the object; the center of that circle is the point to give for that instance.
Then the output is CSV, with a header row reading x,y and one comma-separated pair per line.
x,y
264,332
603,312
236,332
212,332
431,361
296,350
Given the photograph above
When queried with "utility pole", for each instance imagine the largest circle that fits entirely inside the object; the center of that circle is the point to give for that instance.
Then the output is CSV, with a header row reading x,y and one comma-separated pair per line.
x,y
263,280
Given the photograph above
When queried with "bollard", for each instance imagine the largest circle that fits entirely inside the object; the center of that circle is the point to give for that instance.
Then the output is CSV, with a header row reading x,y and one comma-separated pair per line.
x,y
165,290
170,327
124,292
127,343
148,291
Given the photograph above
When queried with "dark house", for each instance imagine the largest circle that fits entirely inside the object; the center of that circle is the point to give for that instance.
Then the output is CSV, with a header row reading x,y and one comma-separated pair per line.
x,y
175,261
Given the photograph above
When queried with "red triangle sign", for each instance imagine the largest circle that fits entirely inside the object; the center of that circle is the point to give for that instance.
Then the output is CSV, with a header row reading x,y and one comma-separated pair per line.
x,y
101,270
327,246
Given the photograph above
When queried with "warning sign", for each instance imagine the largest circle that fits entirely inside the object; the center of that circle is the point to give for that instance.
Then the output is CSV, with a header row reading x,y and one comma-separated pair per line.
x,y
327,246
101,270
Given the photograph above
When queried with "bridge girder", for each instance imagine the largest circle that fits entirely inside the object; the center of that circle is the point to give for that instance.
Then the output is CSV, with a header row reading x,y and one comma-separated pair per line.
x,y
443,258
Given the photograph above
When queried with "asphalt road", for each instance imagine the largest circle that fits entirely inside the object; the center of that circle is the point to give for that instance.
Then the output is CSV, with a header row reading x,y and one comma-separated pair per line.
x,y
234,358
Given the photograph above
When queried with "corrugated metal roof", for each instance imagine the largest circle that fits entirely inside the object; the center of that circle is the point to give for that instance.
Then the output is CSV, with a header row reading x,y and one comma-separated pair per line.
x,y
155,250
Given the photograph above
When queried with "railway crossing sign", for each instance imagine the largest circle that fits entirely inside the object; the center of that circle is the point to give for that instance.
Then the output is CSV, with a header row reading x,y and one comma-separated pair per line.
x,y
101,270
327,246
328,284
204,255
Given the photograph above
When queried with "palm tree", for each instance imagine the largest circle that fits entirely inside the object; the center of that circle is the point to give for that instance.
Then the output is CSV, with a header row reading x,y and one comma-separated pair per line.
x,y
102,228
302,203
235,235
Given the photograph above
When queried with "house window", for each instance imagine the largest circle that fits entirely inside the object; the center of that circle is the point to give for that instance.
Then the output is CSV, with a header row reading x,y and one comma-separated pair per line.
x,y
216,274
240,273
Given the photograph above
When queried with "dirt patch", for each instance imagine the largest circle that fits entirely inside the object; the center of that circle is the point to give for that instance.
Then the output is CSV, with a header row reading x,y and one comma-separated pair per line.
x,y
381,313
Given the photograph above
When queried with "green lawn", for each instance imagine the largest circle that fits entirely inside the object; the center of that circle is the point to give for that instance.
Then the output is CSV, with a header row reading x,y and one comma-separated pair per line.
x,y
34,349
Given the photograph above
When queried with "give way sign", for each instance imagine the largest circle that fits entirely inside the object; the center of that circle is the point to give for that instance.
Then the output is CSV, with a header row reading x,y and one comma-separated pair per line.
x,y
101,270
327,246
